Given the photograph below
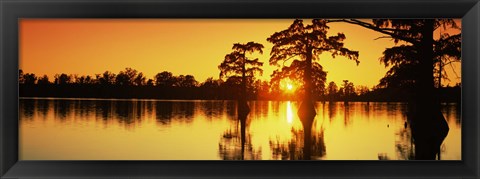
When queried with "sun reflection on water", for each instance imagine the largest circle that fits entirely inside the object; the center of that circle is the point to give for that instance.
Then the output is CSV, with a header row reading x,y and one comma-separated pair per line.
x,y
289,112
210,130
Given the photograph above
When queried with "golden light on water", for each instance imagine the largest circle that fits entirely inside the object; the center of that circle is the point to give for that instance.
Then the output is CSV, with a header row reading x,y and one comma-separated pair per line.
x,y
289,112
193,130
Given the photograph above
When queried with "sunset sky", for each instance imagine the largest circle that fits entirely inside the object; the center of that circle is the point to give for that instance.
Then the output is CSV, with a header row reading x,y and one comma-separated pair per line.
x,y
181,46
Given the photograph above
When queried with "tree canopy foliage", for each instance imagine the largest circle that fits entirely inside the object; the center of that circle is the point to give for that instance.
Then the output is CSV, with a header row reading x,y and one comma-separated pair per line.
x,y
294,72
304,44
307,42
406,59
238,66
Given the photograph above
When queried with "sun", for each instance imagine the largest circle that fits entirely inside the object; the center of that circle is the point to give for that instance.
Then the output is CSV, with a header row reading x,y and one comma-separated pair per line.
x,y
289,86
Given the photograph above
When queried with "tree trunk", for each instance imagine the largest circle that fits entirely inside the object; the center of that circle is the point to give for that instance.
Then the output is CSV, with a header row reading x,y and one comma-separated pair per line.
x,y
242,103
429,128
306,112
428,125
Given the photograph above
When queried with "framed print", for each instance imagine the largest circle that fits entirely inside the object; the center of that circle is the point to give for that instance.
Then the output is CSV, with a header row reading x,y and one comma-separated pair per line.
x,y
239,89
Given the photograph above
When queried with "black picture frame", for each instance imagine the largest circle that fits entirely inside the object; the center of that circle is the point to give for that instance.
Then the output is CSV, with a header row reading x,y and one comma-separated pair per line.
x,y
12,10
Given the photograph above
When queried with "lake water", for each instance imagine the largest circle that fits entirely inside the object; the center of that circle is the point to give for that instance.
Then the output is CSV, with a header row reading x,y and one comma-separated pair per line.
x,y
95,129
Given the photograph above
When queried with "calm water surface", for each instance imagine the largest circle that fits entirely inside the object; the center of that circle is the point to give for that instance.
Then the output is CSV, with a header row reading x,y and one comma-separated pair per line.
x,y
94,129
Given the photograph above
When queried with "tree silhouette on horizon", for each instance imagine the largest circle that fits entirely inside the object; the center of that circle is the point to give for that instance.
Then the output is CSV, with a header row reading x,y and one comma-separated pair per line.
x,y
307,42
164,79
348,90
106,78
332,90
237,64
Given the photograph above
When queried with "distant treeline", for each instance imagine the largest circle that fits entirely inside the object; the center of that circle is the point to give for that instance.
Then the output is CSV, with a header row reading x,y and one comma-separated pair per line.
x,y
132,84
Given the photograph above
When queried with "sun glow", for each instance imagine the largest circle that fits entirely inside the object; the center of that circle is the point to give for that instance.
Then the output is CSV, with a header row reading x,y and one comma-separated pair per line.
x,y
288,85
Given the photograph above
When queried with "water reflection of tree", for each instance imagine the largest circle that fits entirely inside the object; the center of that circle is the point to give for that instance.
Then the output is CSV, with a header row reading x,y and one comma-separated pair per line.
x,y
235,144
61,108
231,109
404,144
452,111
184,110
346,114
149,108
124,111
323,109
180,111
406,147
391,108
304,144
28,106
275,107
260,108
163,111
43,107
212,109
295,148
104,109
367,109
129,112
458,113
139,107
84,107
332,110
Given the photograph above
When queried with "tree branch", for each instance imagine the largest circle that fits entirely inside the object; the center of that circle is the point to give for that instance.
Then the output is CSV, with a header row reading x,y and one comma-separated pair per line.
x,y
387,31
382,37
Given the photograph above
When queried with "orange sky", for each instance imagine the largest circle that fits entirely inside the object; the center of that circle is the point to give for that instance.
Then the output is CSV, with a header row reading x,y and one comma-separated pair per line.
x,y
181,46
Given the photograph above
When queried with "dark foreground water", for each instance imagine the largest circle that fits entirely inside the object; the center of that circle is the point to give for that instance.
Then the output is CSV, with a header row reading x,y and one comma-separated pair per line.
x,y
94,129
